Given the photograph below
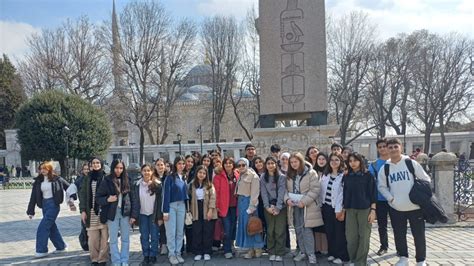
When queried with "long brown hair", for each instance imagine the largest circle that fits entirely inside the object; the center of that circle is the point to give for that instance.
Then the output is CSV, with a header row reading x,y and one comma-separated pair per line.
x,y
342,164
124,186
155,181
206,182
48,165
293,172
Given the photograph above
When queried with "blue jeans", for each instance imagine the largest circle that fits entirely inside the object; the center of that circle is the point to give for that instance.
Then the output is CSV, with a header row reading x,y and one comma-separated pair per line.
x,y
175,228
48,229
229,222
149,235
119,223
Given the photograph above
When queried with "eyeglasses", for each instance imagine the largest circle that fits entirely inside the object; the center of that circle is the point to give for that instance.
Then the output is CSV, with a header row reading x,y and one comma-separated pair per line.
x,y
242,165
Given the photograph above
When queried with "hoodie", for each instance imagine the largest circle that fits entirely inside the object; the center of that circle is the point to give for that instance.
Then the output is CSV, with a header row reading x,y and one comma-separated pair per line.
x,y
400,183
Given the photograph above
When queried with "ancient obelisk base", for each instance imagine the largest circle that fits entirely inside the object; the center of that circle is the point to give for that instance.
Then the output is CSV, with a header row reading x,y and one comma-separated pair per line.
x,y
294,139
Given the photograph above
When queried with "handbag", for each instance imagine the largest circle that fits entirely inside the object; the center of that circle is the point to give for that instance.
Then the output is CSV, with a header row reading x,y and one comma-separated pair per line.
x,y
189,216
254,225
218,230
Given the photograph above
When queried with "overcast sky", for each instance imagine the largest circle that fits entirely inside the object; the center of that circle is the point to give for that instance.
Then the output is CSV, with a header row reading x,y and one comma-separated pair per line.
x,y
20,18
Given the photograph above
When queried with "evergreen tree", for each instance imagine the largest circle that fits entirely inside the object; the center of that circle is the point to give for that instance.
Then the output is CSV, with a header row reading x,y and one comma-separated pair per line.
x,y
11,96
42,131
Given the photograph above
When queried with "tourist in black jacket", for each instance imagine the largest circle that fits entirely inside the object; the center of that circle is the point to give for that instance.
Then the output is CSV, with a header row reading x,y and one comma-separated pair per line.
x,y
47,194
114,199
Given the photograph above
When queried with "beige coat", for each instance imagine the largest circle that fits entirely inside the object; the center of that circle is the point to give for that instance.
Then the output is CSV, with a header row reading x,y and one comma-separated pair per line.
x,y
310,188
209,203
249,185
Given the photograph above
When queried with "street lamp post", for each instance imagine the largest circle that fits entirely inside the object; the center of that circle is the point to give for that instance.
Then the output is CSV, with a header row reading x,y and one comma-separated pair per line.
x,y
200,135
179,142
66,128
133,152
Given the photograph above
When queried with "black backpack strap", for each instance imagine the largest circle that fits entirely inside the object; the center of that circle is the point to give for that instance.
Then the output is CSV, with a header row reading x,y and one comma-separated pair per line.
x,y
386,168
410,167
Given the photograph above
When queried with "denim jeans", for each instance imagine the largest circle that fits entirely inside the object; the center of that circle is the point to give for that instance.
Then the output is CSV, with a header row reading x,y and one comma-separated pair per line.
x,y
175,228
48,229
119,223
229,222
149,235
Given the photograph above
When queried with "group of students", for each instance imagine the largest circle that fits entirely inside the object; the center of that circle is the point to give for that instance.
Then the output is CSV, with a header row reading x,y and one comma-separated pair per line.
x,y
330,200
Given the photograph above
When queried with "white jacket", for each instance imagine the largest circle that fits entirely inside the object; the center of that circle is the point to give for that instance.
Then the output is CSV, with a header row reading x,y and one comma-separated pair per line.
x,y
336,191
401,181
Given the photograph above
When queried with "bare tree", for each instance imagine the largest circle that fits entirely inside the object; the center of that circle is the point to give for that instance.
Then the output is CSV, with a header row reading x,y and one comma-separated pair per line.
x,y
350,39
176,59
248,76
388,85
252,58
144,27
426,77
222,46
69,58
455,90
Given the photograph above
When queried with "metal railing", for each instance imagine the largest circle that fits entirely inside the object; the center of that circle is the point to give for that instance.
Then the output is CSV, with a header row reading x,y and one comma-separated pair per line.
x,y
464,190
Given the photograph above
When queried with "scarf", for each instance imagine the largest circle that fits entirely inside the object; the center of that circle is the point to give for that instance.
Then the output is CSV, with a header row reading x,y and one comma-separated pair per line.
x,y
95,176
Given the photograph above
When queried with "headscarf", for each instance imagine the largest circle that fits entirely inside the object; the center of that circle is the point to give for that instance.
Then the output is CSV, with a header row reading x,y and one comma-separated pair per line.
x,y
246,161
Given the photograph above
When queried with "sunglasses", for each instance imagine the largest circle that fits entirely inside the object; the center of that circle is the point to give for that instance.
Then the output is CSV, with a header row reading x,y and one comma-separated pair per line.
x,y
242,165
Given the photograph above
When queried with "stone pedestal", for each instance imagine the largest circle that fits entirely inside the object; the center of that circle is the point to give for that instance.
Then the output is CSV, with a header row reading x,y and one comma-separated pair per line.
x,y
443,165
13,148
294,138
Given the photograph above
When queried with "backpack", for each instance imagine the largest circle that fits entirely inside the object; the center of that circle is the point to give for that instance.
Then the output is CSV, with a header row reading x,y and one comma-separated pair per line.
x,y
422,195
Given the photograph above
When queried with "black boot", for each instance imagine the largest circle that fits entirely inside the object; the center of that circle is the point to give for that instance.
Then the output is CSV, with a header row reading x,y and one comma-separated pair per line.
x,y
146,260
152,260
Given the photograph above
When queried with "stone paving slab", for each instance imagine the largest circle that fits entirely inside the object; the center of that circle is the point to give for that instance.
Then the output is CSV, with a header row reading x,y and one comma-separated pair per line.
x,y
447,245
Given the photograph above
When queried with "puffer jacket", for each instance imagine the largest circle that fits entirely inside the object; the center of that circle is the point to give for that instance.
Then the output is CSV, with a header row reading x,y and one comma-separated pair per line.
x,y
310,187
109,209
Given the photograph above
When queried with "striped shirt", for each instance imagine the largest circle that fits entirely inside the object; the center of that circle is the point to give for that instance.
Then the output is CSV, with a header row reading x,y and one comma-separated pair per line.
x,y
95,221
327,198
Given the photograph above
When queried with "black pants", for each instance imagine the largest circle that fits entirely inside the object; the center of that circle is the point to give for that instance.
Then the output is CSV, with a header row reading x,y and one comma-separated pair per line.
x,y
162,234
382,212
335,233
203,232
417,226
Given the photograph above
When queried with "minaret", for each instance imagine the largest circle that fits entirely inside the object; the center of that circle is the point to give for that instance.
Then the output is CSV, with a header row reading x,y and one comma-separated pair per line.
x,y
116,50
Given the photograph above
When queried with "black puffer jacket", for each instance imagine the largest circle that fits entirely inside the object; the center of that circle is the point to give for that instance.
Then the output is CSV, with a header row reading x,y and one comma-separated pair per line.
x,y
108,209
59,185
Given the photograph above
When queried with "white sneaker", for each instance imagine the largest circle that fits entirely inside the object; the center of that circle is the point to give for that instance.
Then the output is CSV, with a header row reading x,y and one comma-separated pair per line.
x,y
403,261
272,258
197,257
300,257
312,259
61,251
228,255
337,261
421,263
180,259
331,258
40,255
174,260
164,250
207,257
278,258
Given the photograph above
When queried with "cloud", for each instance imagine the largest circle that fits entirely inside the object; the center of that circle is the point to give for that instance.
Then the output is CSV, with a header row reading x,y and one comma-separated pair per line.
x,y
13,36
237,8
393,17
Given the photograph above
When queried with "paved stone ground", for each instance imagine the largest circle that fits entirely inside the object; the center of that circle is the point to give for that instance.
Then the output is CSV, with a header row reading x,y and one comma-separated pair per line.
x,y
452,245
